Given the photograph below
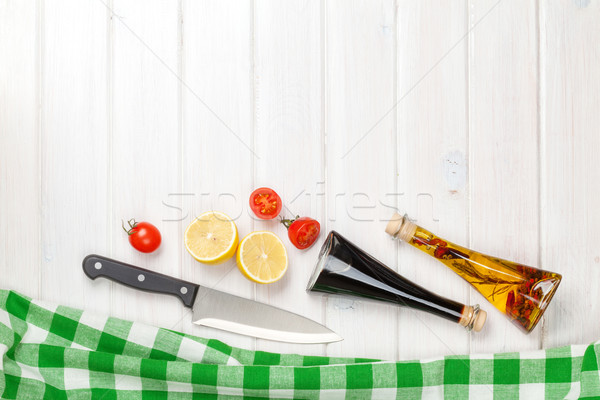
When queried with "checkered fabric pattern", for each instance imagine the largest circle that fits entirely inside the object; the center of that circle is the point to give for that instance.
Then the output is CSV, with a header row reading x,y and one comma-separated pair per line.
x,y
55,352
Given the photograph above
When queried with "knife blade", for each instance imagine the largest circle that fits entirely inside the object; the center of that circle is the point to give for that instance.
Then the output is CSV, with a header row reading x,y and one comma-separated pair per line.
x,y
215,308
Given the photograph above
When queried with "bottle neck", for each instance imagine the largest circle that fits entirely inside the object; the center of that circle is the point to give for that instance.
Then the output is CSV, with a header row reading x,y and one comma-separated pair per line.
x,y
400,227
473,318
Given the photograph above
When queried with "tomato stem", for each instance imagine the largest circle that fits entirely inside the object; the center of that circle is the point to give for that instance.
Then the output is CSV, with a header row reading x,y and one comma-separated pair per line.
x,y
132,223
288,222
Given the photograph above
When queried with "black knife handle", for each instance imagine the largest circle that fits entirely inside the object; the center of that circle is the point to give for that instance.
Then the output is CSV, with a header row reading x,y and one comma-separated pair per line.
x,y
96,266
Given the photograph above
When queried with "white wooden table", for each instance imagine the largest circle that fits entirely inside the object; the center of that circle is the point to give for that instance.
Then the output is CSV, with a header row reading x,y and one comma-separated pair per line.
x,y
478,118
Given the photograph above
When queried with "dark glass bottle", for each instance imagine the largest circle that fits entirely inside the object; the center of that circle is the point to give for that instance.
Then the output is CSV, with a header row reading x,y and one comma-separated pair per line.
x,y
343,268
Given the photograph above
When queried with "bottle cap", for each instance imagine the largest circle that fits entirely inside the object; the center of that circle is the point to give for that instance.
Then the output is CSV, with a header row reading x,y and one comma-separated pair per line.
x,y
479,320
473,318
393,227
400,227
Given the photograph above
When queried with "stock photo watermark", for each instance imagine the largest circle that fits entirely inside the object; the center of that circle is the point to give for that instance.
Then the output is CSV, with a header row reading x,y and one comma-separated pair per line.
x,y
353,206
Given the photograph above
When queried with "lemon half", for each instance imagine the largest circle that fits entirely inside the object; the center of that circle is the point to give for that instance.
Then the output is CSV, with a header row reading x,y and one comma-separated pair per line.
x,y
211,238
262,257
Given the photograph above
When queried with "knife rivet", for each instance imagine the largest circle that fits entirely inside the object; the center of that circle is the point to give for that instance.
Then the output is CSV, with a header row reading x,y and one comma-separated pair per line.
x,y
141,278
98,265
183,290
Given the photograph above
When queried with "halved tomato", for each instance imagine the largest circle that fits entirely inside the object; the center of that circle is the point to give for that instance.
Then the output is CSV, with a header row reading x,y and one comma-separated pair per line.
x,y
265,203
303,232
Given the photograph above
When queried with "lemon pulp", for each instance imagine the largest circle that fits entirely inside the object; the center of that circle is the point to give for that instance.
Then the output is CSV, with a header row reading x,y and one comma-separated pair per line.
x,y
211,238
262,257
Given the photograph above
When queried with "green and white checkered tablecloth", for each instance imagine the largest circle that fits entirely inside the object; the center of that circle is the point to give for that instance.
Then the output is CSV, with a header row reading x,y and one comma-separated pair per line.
x,y
56,352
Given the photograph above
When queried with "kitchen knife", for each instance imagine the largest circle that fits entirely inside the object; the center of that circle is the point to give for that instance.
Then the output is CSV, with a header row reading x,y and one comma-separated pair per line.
x,y
214,308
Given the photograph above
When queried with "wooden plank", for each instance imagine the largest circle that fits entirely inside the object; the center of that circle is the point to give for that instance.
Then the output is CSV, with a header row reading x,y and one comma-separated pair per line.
x,y
503,150
145,159
289,142
360,87
432,161
570,87
19,148
74,151
65,165
217,139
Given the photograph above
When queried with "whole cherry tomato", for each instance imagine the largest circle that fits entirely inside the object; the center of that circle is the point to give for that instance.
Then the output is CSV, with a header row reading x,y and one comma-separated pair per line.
x,y
303,232
265,203
143,236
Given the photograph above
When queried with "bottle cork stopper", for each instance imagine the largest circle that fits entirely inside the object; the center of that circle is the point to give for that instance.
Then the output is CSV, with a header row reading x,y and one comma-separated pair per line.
x,y
479,320
400,227
393,227
473,318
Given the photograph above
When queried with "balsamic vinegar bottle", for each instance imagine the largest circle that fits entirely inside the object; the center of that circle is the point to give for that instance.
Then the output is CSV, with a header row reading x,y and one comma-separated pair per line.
x,y
343,268
521,292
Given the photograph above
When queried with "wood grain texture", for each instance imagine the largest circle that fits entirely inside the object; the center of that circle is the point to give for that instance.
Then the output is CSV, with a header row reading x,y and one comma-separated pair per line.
x,y
145,152
164,110
74,172
217,135
19,146
503,150
360,165
289,142
432,161
570,116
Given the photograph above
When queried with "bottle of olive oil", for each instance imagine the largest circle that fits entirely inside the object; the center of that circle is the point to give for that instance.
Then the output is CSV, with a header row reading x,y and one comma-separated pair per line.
x,y
521,292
